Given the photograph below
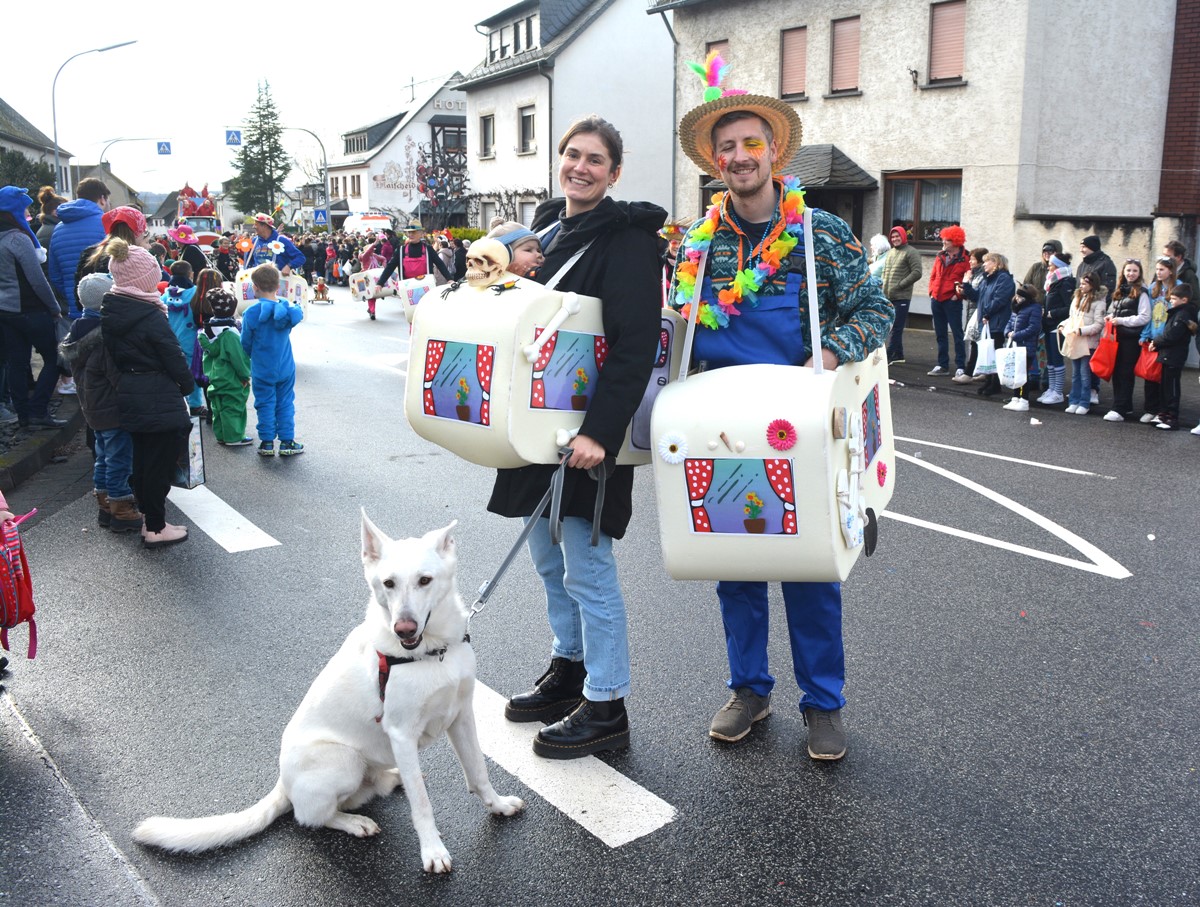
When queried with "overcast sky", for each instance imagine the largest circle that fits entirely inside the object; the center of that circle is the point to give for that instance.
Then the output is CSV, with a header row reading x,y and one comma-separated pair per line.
x,y
193,75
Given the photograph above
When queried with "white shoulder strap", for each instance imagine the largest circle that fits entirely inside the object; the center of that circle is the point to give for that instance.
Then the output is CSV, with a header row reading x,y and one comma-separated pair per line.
x,y
567,265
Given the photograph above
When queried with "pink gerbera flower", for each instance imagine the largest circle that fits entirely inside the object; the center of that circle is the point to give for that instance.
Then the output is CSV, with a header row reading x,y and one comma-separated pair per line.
x,y
781,434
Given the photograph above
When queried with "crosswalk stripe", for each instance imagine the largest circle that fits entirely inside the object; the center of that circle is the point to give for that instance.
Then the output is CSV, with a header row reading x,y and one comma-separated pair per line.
x,y
228,528
606,803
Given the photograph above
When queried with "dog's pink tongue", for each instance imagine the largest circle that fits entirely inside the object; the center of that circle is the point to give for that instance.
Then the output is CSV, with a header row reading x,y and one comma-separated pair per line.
x,y
405,628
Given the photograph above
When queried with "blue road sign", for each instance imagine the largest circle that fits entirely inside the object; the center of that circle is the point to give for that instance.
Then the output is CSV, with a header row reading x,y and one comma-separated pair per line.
x,y
320,216
233,136
164,147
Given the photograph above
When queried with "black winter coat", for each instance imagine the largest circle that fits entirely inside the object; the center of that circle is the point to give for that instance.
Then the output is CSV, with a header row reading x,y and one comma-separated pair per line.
x,y
622,268
1172,346
154,375
96,376
1057,306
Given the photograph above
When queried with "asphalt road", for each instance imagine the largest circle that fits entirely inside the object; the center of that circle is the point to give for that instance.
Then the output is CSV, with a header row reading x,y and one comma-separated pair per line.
x,y
1022,730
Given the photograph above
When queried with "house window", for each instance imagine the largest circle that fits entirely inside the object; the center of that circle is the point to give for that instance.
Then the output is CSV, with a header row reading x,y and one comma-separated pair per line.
x,y
494,52
517,38
487,136
355,186
923,202
529,42
793,60
721,47
487,210
947,29
527,209
844,68
454,140
343,187
526,116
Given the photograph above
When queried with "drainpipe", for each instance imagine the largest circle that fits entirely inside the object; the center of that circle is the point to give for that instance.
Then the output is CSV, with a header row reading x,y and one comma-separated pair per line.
x,y
549,129
674,107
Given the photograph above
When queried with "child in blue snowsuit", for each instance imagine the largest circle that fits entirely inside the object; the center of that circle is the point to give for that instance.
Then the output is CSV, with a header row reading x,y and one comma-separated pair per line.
x,y
266,338
178,299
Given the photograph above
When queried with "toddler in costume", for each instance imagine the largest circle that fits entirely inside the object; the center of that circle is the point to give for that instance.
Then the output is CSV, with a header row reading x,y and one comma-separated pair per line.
x,y
178,299
228,369
266,338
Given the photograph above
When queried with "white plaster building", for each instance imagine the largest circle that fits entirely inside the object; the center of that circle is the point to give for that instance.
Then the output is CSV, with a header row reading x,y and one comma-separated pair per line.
x,y
549,62
1023,120
411,164
18,134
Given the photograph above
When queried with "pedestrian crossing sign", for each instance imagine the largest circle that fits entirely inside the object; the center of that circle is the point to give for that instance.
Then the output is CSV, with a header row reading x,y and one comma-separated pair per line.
x,y
233,136
320,217
164,147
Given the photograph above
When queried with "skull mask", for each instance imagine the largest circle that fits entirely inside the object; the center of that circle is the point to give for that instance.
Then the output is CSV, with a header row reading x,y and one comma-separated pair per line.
x,y
487,259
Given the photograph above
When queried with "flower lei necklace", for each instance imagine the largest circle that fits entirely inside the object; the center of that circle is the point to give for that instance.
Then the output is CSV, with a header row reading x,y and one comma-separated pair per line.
x,y
747,282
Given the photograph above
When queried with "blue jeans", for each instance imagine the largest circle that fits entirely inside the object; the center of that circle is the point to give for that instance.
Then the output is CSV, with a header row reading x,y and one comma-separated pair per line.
x,y
814,616
114,463
948,313
895,345
1081,383
584,604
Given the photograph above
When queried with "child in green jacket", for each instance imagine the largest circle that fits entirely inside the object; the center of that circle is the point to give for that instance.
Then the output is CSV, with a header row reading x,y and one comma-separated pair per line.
x,y
228,370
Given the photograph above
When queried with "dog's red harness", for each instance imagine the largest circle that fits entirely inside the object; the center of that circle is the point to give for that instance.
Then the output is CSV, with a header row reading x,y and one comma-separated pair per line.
x,y
387,661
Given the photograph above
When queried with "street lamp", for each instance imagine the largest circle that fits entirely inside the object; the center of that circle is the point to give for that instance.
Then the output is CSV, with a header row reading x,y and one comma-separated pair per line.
x,y
54,101
324,175
114,141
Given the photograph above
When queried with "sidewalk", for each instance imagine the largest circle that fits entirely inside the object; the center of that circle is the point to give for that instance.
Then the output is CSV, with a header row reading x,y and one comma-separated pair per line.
x,y
24,453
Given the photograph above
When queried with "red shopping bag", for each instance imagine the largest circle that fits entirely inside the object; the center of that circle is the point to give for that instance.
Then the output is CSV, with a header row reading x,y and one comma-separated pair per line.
x,y
1104,360
1148,367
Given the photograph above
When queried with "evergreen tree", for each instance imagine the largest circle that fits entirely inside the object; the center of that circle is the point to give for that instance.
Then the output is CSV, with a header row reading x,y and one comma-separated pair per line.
x,y
262,164
18,170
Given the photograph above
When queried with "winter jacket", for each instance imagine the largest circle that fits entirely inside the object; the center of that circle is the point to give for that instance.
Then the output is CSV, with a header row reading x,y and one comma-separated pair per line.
x,y
460,263
1172,346
225,362
901,269
1088,322
1056,303
622,268
260,253
23,285
1130,312
195,257
153,375
266,338
1103,267
96,375
46,230
994,295
948,270
1024,324
80,227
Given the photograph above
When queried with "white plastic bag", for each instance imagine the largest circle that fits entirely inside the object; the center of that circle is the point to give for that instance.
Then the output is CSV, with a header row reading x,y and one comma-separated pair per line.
x,y
985,361
1010,365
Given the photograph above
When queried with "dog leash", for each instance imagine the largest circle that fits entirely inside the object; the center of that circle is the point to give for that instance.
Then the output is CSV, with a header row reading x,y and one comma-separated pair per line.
x,y
552,499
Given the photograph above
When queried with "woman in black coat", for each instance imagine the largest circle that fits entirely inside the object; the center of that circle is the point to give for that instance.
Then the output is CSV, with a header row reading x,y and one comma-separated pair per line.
x,y
154,380
583,691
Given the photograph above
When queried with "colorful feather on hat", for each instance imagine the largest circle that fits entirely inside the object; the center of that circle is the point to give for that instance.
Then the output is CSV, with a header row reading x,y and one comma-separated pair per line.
x,y
713,71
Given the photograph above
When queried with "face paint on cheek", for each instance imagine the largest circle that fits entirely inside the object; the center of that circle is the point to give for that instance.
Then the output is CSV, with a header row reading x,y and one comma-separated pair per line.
x,y
756,151
722,162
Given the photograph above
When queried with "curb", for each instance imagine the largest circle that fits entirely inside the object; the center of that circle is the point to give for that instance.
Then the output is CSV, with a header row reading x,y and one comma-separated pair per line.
x,y
25,458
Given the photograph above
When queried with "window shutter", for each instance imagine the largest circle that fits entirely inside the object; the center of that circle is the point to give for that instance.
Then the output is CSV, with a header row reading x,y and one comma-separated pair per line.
x,y
845,55
721,47
947,32
794,61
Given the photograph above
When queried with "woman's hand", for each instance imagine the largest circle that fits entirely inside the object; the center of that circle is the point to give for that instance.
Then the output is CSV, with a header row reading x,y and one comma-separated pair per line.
x,y
587,453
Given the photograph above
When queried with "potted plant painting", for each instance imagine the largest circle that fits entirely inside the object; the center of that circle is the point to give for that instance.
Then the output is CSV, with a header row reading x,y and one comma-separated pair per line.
x,y
579,398
754,522
463,393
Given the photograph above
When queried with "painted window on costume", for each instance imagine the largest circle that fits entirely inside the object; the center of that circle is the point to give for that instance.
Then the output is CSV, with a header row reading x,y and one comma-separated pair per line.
x,y
947,34
793,61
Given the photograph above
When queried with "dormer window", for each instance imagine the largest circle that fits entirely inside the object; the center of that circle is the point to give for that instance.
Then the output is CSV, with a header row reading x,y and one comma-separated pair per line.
x,y
356,144
512,39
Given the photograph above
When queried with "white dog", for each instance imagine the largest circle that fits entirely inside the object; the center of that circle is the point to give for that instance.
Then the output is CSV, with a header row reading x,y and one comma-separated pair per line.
x,y
359,730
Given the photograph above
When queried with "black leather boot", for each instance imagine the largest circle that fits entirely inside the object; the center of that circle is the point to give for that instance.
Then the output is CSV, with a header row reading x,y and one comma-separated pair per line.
x,y
592,728
555,694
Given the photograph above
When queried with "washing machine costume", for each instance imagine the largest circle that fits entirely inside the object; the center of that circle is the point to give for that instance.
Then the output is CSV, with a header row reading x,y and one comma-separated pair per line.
x,y
749,499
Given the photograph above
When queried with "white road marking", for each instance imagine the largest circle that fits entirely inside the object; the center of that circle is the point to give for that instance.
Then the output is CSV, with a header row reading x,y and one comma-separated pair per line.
x,y
1098,561
597,796
980,453
224,525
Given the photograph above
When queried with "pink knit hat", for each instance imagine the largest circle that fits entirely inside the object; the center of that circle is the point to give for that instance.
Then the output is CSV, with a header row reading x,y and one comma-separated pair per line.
x,y
137,276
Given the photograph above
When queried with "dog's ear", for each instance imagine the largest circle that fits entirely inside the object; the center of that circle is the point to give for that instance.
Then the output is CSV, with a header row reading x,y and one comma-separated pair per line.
x,y
442,539
372,540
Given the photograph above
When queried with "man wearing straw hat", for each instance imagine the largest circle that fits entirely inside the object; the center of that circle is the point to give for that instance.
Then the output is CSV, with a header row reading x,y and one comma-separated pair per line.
x,y
753,308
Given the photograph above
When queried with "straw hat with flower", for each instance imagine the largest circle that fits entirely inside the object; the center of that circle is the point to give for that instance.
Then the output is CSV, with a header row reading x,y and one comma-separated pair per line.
x,y
695,129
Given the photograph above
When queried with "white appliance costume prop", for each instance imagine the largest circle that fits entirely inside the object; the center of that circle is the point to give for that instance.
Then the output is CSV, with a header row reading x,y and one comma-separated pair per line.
x,y
502,368
773,472
365,285
292,289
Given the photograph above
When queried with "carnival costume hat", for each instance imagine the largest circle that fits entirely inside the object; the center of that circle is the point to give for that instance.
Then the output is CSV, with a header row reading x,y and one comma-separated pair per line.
x,y
673,229
134,219
267,219
414,226
16,201
695,129
222,302
184,235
